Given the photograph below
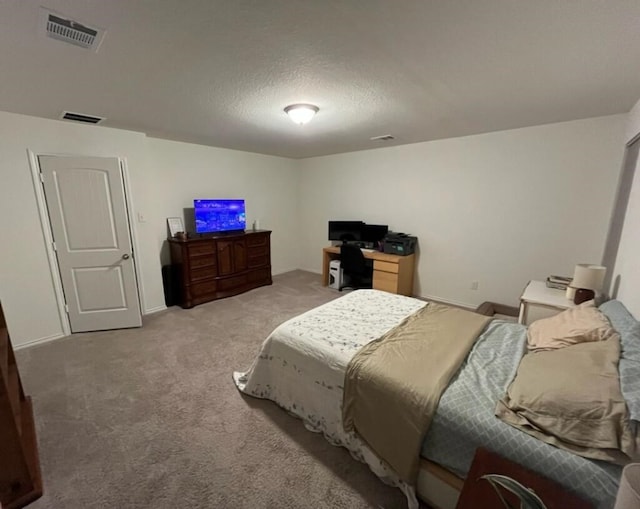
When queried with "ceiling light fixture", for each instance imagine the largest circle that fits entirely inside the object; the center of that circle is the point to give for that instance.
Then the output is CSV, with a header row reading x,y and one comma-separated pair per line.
x,y
301,113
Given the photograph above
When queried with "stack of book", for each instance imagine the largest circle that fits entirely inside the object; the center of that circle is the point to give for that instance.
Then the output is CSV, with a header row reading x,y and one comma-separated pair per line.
x,y
558,282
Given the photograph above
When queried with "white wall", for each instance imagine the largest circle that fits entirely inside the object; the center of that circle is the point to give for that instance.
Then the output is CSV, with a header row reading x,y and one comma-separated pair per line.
x,y
164,176
499,208
182,171
627,268
26,287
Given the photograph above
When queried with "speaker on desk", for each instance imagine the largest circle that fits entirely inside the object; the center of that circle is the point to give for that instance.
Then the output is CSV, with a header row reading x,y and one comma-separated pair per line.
x,y
335,274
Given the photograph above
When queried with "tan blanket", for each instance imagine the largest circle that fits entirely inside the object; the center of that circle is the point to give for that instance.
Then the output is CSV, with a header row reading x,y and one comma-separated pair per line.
x,y
393,385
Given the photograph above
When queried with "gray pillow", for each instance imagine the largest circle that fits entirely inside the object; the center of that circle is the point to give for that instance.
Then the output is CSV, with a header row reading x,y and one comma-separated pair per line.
x,y
629,329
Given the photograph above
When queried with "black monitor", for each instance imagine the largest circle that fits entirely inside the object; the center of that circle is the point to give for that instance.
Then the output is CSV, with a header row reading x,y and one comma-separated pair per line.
x,y
374,232
345,230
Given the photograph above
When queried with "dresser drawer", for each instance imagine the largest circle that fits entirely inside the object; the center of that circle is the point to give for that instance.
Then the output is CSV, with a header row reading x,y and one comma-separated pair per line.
x,y
260,275
257,240
203,273
229,283
258,261
200,261
202,249
258,250
200,289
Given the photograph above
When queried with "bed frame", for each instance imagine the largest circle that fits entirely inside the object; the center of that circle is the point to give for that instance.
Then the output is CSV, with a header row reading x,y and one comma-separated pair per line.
x,y
437,486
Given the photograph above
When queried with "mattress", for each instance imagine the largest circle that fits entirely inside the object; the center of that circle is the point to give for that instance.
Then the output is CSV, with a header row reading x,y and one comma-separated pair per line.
x,y
465,420
301,366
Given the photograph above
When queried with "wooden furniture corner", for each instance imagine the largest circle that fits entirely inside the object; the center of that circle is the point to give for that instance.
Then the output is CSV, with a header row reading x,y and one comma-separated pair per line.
x,y
478,492
20,477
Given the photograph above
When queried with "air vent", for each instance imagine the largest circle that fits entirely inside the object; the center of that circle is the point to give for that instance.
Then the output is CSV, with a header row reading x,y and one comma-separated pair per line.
x,y
80,117
68,30
384,137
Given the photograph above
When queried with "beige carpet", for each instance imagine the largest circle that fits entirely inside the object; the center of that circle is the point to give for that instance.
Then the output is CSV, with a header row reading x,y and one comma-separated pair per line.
x,y
150,418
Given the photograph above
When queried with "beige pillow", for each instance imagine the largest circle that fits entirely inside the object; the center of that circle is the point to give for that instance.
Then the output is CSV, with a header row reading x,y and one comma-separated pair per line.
x,y
584,323
571,398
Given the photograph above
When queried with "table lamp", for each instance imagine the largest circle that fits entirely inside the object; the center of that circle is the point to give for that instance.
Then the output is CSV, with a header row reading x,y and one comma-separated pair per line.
x,y
587,280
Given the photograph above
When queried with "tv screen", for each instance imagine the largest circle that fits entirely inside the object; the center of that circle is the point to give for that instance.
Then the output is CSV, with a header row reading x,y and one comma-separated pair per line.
x,y
219,215
374,232
345,230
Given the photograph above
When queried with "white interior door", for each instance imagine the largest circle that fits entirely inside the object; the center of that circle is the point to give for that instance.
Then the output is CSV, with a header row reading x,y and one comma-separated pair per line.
x,y
87,209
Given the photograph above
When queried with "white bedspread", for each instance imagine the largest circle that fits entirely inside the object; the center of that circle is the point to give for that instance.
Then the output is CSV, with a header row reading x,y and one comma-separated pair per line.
x,y
302,363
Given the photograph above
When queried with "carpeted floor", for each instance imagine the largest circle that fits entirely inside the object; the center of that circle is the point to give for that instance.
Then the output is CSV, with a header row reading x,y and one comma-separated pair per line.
x,y
150,418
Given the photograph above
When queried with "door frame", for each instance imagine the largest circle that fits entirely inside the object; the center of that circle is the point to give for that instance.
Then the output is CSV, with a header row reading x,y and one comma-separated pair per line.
x,y
47,233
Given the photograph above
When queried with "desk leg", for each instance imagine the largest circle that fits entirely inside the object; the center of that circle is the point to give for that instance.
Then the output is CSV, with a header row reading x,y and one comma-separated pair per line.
x,y
325,268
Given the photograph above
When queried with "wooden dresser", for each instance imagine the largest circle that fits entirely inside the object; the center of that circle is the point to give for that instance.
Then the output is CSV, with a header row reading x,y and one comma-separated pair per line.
x,y
213,267
20,478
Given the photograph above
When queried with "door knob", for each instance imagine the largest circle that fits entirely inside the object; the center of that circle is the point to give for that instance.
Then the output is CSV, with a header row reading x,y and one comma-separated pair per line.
x,y
125,256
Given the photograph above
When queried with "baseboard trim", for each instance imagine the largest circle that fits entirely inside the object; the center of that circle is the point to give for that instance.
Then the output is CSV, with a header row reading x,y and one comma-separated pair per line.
x,y
282,271
156,309
456,303
39,341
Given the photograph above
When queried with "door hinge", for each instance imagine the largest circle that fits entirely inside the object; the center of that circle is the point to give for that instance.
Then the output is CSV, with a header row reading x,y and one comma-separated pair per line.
x,y
66,308
41,177
55,248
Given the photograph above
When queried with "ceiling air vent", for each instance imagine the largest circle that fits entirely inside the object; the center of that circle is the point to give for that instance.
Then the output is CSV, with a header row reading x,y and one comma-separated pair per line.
x,y
384,137
68,30
79,117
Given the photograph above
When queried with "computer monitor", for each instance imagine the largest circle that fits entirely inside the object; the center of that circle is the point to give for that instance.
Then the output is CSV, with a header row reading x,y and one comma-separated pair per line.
x,y
374,232
345,230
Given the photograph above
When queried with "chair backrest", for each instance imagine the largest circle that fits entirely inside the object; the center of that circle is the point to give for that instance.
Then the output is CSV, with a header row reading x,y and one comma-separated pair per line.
x,y
352,261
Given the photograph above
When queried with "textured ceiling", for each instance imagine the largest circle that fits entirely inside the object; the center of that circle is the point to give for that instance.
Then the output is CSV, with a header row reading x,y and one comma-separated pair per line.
x,y
221,72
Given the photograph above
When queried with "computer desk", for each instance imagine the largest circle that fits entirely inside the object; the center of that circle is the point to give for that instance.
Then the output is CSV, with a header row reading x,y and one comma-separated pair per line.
x,y
391,273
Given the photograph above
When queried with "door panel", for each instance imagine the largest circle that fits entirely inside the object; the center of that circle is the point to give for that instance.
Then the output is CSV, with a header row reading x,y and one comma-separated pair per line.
x,y
225,257
240,255
112,289
87,210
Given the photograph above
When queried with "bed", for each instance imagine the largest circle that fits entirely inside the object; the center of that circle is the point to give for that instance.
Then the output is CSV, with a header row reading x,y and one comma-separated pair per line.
x,y
302,365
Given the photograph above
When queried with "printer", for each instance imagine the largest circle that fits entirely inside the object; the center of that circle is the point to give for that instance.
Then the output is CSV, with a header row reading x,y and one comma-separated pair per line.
x,y
400,243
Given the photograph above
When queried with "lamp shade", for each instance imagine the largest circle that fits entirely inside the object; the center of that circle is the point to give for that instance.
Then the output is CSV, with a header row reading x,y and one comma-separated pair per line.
x,y
301,113
588,276
629,490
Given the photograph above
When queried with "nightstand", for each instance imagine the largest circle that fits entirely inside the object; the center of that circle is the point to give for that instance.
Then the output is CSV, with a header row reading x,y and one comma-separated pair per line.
x,y
537,301
478,493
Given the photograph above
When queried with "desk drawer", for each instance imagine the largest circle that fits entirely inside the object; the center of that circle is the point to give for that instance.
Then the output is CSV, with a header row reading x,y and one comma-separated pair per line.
x,y
385,281
385,266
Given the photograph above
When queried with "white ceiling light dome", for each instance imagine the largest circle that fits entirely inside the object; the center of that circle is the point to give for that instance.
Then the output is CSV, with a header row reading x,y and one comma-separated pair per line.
x,y
301,113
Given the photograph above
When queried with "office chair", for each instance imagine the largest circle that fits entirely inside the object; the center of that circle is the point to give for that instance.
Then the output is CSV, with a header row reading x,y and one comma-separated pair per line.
x,y
354,268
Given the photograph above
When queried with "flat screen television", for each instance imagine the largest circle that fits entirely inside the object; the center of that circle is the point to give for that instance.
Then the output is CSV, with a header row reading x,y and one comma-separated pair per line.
x,y
213,216
374,232
345,230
